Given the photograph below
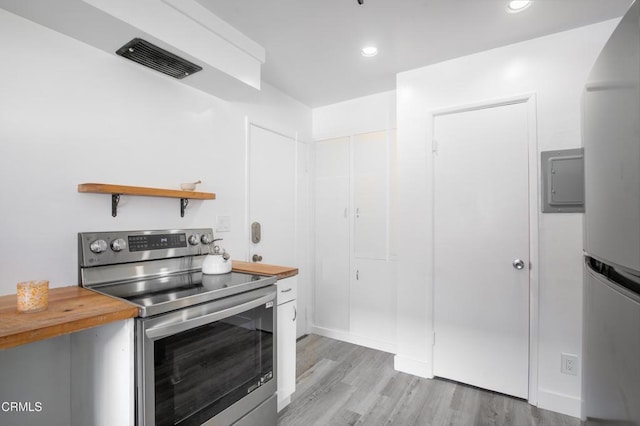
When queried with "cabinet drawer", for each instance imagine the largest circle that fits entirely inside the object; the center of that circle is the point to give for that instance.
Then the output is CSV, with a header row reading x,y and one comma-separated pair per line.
x,y
287,290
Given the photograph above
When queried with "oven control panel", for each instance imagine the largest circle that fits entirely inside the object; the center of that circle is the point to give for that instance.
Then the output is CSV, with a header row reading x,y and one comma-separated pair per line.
x,y
107,248
158,241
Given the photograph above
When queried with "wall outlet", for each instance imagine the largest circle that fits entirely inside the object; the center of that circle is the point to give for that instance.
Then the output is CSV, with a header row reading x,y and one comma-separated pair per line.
x,y
223,223
569,364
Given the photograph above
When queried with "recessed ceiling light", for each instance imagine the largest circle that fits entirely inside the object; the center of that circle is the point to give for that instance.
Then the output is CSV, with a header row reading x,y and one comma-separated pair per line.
x,y
369,51
518,5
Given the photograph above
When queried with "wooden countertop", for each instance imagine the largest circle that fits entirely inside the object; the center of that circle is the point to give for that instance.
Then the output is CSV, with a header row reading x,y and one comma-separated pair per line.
x,y
70,309
74,308
264,269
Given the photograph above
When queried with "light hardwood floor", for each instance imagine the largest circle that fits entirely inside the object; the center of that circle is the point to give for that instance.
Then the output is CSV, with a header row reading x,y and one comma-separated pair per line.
x,y
343,384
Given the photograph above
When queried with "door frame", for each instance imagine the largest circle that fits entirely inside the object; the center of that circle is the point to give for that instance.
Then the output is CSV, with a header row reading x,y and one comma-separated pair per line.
x,y
530,100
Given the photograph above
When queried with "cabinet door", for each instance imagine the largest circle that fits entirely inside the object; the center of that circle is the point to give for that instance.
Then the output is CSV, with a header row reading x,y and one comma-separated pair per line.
x,y
370,194
373,302
332,234
286,352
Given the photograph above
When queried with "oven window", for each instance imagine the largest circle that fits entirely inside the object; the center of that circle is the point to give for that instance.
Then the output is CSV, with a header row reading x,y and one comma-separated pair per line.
x,y
200,372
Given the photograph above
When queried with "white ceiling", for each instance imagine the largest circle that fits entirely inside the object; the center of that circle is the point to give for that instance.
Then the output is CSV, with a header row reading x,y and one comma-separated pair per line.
x,y
313,46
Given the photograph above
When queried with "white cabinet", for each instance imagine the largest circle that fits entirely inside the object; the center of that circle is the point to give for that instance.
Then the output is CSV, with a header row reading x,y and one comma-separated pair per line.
x,y
370,193
331,299
286,351
372,302
103,375
355,289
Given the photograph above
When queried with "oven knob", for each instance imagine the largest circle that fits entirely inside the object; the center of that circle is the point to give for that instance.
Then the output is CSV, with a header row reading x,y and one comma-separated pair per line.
x,y
118,245
206,239
98,246
193,239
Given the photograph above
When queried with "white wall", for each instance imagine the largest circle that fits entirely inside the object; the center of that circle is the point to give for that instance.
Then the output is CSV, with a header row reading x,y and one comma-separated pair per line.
x,y
70,113
555,69
360,115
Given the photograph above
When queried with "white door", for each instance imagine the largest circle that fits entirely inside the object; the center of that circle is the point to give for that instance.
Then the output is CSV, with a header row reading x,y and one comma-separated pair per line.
x,y
481,227
272,196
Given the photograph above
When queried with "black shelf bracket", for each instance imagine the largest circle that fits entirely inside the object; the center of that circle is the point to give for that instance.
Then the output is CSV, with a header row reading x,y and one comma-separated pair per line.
x,y
115,199
184,202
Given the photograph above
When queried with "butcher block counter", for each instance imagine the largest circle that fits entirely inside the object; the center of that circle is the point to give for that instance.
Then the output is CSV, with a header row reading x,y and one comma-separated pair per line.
x,y
74,308
280,272
70,309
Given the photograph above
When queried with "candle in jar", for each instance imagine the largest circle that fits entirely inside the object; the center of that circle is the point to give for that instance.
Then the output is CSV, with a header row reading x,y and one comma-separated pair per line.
x,y
33,296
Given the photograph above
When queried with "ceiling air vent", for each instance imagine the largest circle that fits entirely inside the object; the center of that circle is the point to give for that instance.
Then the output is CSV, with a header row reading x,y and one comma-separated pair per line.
x,y
152,56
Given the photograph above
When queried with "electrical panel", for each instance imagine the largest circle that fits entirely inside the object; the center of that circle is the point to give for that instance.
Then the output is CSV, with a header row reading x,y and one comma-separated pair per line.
x,y
563,181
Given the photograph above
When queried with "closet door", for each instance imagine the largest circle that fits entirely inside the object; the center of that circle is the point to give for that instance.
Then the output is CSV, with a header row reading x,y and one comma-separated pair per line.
x,y
332,234
370,194
372,288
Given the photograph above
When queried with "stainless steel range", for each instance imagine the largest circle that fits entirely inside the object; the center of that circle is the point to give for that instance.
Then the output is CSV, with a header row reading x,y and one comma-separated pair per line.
x,y
205,344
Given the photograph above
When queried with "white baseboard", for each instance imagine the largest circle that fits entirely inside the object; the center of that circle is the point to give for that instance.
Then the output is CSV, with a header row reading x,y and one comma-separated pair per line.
x,y
560,403
348,337
282,403
412,366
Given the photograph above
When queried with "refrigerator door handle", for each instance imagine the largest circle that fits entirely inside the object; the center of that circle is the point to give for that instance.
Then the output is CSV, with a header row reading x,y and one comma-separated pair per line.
x,y
612,282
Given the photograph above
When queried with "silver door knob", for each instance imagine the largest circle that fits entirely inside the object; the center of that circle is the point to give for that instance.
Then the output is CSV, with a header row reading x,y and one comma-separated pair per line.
x,y
257,258
518,264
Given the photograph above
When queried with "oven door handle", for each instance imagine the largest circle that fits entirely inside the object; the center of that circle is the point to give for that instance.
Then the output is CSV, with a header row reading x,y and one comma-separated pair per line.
x,y
168,329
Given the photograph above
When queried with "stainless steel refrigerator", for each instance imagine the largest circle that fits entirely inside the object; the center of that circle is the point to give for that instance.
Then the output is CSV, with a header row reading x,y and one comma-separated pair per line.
x,y
611,131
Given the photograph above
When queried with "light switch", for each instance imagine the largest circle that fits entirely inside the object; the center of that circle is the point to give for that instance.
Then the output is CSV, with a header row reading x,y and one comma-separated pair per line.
x,y
223,223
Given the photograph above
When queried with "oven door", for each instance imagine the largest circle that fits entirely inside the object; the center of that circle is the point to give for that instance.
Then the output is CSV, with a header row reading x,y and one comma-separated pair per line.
x,y
213,362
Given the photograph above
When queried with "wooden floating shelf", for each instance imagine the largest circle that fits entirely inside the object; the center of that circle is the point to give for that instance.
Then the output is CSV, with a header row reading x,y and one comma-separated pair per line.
x,y
117,190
